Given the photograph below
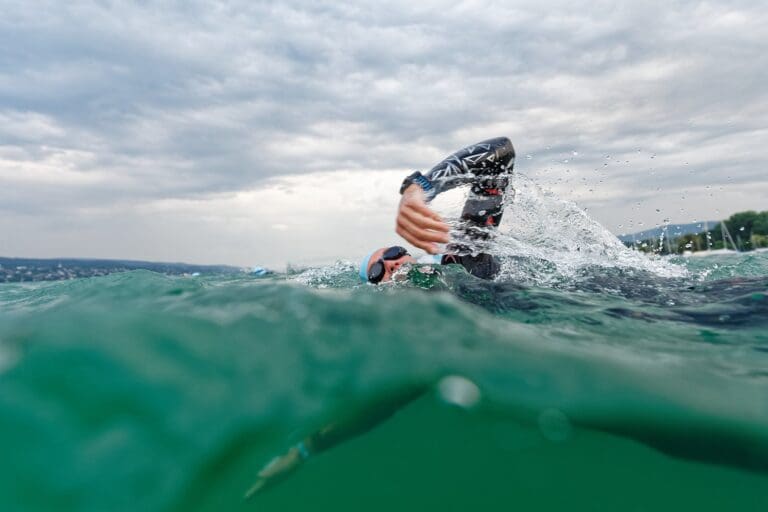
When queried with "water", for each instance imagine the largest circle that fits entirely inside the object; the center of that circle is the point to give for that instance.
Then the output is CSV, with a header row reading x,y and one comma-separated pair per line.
x,y
587,377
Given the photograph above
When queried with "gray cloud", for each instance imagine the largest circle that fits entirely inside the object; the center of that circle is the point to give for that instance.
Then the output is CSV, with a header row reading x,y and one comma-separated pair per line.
x,y
110,103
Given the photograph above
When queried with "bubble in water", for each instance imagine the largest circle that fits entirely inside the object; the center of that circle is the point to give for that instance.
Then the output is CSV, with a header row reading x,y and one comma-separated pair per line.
x,y
528,157
459,391
741,228
555,426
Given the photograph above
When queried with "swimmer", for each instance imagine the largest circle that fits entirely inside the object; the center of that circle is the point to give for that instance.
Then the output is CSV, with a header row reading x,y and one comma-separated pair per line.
x,y
486,166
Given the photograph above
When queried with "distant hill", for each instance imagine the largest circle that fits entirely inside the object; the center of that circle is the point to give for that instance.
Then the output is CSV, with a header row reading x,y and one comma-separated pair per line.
x,y
672,230
31,269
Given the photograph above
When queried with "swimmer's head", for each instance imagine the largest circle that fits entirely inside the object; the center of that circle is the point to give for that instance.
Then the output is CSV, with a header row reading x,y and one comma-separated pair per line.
x,y
379,266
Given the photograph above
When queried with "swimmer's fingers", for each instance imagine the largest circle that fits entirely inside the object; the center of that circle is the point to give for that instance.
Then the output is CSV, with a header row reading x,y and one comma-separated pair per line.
x,y
430,248
419,225
421,238
424,221
418,204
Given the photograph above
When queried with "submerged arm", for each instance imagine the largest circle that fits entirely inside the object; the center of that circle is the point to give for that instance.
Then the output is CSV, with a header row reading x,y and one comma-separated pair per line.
x,y
335,433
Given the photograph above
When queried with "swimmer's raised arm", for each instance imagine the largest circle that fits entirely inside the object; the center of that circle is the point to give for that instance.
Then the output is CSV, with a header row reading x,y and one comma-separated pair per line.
x,y
488,161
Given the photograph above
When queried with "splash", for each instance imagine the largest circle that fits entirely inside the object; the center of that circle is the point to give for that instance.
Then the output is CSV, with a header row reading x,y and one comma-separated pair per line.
x,y
545,240
542,226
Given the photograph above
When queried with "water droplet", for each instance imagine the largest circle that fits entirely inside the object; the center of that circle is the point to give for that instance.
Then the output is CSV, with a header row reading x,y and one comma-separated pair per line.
x,y
658,211
575,153
528,157
741,228
459,391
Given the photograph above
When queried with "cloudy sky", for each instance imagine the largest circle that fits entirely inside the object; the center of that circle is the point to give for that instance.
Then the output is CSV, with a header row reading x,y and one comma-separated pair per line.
x,y
251,132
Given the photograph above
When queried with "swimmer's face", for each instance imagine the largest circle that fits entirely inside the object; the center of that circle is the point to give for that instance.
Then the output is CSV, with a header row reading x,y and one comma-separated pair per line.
x,y
390,266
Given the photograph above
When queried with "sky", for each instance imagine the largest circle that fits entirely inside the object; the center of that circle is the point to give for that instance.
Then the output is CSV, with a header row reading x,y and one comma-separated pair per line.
x,y
266,133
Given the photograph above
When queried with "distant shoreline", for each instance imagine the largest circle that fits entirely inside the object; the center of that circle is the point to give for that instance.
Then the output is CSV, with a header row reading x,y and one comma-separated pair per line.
x,y
19,270
741,232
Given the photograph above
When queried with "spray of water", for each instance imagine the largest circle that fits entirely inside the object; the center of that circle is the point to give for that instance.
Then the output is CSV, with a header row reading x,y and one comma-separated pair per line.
x,y
545,240
539,225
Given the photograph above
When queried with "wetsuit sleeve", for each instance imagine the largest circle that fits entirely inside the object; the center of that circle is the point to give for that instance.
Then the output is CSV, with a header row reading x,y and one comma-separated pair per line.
x,y
484,161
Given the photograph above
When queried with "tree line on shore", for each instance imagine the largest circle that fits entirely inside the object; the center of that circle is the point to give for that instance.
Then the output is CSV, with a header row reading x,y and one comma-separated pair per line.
x,y
744,231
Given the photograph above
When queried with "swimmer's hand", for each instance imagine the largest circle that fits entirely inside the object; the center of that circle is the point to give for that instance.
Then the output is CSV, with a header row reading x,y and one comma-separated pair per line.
x,y
277,469
419,225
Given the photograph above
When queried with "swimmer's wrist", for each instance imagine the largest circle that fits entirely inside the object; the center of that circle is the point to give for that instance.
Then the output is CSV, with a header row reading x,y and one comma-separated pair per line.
x,y
422,182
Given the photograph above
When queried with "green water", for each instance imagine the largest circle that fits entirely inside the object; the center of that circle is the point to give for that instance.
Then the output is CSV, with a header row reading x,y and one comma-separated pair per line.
x,y
609,388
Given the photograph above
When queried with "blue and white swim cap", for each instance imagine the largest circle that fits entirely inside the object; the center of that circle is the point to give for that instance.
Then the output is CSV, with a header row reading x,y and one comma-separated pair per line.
x,y
364,267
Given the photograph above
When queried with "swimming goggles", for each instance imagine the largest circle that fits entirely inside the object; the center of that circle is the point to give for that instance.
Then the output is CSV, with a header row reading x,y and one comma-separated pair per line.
x,y
377,270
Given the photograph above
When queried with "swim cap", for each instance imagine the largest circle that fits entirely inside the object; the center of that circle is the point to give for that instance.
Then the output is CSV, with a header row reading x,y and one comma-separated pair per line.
x,y
364,267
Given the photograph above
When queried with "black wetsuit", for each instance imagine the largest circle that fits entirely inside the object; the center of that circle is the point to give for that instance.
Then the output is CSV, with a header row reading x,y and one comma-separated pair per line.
x,y
487,167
